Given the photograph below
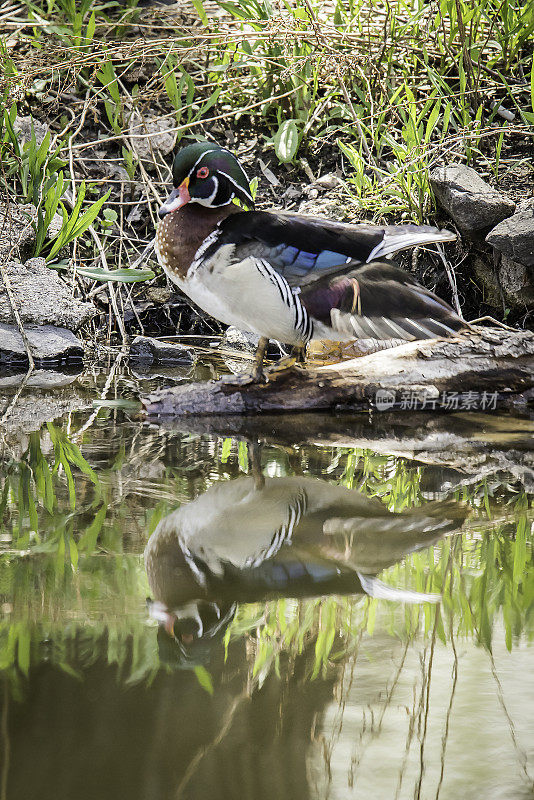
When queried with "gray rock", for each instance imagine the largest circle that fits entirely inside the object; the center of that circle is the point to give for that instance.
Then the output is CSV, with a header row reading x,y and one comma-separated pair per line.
x,y
244,343
149,351
41,296
47,343
35,407
505,283
159,295
328,181
292,193
17,230
517,282
514,237
488,280
160,140
17,235
235,339
23,128
527,204
237,342
41,379
472,203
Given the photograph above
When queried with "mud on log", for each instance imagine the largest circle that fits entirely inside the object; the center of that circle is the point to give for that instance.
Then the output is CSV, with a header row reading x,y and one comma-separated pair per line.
x,y
498,362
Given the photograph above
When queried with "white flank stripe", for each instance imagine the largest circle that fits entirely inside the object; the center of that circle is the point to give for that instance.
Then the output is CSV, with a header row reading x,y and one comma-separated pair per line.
x,y
283,535
191,564
374,328
206,244
302,323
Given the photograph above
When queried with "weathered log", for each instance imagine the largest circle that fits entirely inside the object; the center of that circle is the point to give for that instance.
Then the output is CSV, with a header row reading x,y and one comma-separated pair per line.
x,y
477,371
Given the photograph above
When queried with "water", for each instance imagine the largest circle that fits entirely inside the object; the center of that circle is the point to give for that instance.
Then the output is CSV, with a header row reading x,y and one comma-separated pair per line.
x,y
291,636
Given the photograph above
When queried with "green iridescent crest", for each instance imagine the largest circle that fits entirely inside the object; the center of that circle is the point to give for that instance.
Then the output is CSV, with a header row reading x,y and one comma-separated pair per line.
x,y
215,175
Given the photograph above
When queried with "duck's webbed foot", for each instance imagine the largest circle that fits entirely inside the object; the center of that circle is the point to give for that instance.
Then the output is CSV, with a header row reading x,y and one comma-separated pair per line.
x,y
298,352
257,374
244,378
254,375
296,357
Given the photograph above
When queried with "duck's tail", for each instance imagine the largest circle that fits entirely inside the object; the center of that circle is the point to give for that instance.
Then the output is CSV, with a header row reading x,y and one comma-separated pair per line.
x,y
400,237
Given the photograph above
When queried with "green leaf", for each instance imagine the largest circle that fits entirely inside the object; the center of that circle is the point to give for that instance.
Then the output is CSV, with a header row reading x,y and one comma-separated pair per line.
x,y
242,456
210,101
70,479
90,32
23,650
226,450
520,550
73,454
204,678
73,554
88,217
234,10
432,120
89,538
119,275
286,141
199,8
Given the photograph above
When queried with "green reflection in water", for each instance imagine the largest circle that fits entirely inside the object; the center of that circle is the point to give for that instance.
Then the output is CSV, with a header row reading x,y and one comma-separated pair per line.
x,y
77,512
74,527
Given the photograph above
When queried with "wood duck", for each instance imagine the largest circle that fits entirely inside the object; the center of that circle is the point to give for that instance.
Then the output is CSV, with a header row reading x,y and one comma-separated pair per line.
x,y
286,276
242,541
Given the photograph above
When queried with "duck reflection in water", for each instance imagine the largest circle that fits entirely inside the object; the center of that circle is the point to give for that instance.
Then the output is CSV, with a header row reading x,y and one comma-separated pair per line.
x,y
251,540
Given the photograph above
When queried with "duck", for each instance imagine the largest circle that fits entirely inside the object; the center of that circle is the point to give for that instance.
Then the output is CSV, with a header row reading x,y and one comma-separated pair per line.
x,y
289,277
249,541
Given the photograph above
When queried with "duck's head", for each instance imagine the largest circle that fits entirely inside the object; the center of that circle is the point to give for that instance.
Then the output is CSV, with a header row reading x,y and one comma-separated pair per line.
x,y
207,174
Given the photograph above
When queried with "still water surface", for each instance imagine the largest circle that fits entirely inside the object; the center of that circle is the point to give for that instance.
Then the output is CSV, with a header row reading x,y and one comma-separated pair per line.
x,y
345,611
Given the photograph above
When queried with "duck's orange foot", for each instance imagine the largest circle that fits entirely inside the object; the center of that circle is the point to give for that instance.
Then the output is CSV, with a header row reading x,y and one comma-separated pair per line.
x,y
245,378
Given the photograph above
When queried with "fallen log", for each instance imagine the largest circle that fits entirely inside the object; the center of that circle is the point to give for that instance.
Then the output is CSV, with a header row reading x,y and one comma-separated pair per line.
x,y
482,370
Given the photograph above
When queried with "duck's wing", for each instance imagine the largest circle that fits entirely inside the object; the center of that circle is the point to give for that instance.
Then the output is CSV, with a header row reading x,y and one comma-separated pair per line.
x,y
379,542
305,249
378,301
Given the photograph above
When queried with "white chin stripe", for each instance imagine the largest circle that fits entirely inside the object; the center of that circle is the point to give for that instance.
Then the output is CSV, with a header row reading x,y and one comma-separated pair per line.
x,y
174,205
208,201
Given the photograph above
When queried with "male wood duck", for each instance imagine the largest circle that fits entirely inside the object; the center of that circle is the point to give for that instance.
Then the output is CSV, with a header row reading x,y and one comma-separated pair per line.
x,y
286,276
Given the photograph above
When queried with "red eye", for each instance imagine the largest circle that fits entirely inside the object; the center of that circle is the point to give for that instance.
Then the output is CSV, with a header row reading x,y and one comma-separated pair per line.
x,y
203,172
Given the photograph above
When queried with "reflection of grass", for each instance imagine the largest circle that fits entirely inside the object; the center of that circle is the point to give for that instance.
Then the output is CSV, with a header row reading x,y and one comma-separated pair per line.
x,y
30,491
72,580
386,477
